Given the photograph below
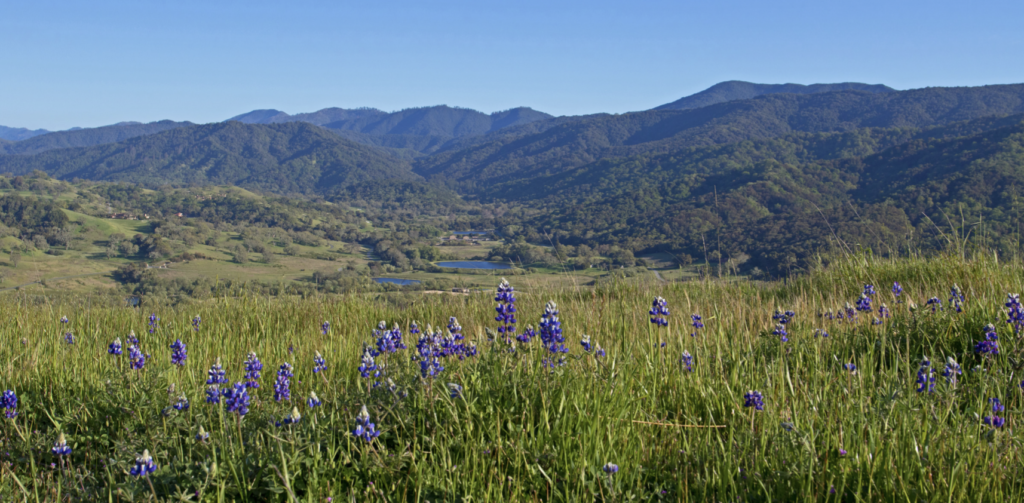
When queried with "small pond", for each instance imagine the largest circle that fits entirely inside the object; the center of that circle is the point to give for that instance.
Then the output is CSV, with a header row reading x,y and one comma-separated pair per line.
x,y
473,264
397,281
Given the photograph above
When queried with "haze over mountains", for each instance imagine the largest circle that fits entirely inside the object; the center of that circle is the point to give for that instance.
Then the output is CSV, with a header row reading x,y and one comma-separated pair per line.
x,y
764,173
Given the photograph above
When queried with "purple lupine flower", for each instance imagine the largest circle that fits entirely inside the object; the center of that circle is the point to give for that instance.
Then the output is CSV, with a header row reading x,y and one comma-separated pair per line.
x,y
687,361
196,321
414,328
851,313
9,402
599,352
780,331
181,404
293,418
60,448
318,363
368,366
213,394
69,338
610,468
388,341
551,334
144,465
253,366
658,312
216,374
527,335
990,345
236,399
585,342
936,304
883,311
178,353
325,327
952,371
852,368
1014,312
364,428
506,308
819,332
956,298
697,324
783,317
202,435
64,320
136,360
869,290
864,303
454,390
153,323
132,339
313,401
897,290
925,377
753,399
994,420
282,387
115,347
455,329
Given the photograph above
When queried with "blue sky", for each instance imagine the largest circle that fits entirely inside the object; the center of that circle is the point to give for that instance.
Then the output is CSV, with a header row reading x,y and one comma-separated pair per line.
x,y
65,64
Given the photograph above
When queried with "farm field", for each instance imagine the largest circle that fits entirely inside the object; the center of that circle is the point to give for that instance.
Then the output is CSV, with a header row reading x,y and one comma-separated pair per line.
x,y
867,380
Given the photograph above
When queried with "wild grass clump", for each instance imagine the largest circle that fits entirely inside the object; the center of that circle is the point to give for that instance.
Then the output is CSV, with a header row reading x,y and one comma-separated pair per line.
x,y
570,395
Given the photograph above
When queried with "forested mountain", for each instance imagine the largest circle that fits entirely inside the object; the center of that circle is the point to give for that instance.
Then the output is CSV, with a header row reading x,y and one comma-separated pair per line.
x,y
284,158
573,143
87,137
738,90
19,133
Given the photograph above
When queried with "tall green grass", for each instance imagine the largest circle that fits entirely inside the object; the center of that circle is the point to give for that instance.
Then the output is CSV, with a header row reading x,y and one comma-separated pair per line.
x,y
523,431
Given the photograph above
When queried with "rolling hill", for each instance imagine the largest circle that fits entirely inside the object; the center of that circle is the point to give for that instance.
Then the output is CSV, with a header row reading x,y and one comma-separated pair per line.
x,y
19,133
87,137
738,90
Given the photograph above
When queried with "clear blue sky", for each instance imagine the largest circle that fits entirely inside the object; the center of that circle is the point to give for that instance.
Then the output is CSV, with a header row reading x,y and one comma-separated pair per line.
x,y
65,64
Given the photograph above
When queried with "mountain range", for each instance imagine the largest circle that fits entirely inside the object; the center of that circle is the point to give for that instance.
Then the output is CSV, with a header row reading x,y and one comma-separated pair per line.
x,y
771,172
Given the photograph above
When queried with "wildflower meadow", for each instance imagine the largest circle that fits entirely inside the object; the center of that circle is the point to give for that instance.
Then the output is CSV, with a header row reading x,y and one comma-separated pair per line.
x,y
867,380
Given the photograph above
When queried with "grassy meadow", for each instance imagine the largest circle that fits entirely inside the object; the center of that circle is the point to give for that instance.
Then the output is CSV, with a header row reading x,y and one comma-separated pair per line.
x,y
517,427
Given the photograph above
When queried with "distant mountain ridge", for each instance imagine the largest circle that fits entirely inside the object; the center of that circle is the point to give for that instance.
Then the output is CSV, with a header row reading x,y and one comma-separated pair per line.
x,y
19,133
87,137
739,90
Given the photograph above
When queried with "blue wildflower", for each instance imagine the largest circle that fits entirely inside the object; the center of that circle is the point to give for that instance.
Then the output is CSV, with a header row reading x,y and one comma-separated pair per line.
x,y
115,347
956,298
282,387
527,335
216,374
506,309
658,312
850,367
364,428
318,363
202,435
585,342
196,321
253,367
599,352
864,303
294,417
687,361
551,334
990,345
178,353
994,420
325,327
64,320
455,390
935,302
144,465
697,324
153,323
883,311
236,399
1014,312
997,405
780,330
925,377
897,290
60,448
132,339
869,290
819,332
414,328
610,468
368,366
213,394
136,360
182,403
753,399
952,371
783,317
313,401
9,402
69,338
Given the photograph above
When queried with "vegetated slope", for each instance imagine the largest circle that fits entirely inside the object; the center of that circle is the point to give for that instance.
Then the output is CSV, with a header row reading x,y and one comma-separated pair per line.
x,y
739,90
283,158
573,143
88,137
19,133
780,200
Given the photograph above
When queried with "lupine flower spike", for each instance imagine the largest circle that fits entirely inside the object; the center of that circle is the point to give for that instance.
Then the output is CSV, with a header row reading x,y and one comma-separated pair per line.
x,y
153,323
182,403
952,371
236,399
202,435
610,468
926,377
780,331
753,399
132,339
994,420
897,290
454,390
282,387
850,367
253,366
659,311
136,360
506,309
60,448
990,345
318,363
294,417
551,335
69,338
956,298
144,465
1014,312
196,322
9,402
313,401
178,353
115,347
687,361
585,342
364,428
697,323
